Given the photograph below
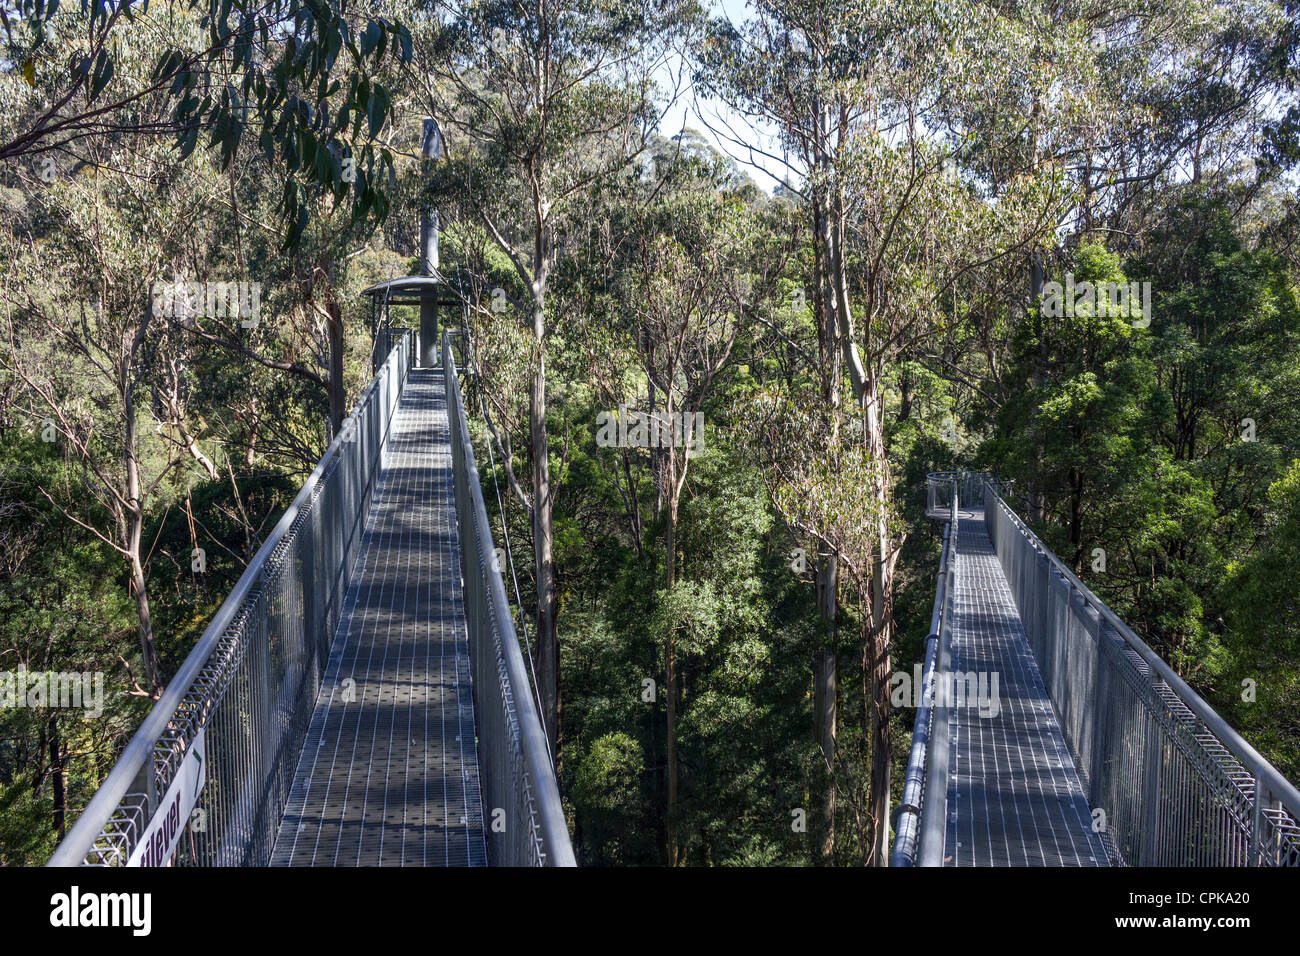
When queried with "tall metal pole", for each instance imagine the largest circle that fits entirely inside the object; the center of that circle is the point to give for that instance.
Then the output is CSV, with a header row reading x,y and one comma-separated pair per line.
x,y
431,150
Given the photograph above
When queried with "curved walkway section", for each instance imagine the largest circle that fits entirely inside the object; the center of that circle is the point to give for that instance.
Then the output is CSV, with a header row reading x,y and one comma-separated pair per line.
x,y
389,772
1014,797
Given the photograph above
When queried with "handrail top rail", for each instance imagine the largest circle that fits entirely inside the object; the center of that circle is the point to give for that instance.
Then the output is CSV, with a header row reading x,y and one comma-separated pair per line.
x,y
907,835
550,808
932,821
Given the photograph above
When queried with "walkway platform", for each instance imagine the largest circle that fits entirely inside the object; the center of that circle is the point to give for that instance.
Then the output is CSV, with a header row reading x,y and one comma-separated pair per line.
x,y
389,772
1014,797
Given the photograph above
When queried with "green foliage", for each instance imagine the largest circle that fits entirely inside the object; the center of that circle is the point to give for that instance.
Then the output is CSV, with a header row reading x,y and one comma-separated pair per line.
x,y
299,77
1260,595
64,607
1138,444
950,144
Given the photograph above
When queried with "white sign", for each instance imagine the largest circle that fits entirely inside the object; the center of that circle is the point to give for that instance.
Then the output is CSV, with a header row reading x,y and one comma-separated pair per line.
x,y
163,834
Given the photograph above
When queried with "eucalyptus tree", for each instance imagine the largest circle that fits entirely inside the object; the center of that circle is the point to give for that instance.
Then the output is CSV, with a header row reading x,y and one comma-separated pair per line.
x,y
543,101
62,609
1261,598
305,295
1185,90
876,111
298,77
697,265
95,360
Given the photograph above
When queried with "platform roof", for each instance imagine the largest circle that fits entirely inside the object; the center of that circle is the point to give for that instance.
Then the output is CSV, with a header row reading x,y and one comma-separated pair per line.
x,y
409,290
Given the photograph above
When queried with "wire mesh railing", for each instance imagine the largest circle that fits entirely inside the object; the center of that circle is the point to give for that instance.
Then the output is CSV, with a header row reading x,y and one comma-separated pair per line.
x,y
942,486
1174,784
242,699
521,799
386,338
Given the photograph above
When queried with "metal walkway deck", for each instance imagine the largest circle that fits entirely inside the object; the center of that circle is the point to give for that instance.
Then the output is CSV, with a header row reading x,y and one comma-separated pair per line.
x,y
389,772
1014,798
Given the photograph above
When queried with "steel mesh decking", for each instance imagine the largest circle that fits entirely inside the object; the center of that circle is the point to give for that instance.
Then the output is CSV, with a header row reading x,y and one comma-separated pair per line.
x,y
389,772
1014,796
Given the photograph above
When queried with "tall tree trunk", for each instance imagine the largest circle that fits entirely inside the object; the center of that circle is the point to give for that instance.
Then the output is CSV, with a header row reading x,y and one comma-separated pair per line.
x,y
839,278
657,460
1076,510
134,529
826,698
670,680
823,303
337,386
1038,373
876,651
635,524
548,649
58,780
139,591
825,677
876,667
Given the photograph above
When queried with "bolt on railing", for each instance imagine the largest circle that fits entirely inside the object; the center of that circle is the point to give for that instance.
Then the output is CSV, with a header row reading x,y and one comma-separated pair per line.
x,y
247,689
520,791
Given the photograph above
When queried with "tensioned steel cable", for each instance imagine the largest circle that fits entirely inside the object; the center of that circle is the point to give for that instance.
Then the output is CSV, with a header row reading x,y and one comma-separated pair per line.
x,y
505,532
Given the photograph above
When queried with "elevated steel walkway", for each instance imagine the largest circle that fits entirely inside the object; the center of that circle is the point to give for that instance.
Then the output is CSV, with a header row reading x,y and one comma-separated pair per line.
x,y
1014,797
389,771
1049,734
361,697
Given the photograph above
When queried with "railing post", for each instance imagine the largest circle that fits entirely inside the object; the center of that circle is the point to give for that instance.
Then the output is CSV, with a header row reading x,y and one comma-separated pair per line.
x,y
1257,825
146,783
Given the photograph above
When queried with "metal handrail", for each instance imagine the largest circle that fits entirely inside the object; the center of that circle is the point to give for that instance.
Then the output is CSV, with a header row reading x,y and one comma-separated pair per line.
x,y
519,785
1271,802
111,824
908,813
934,798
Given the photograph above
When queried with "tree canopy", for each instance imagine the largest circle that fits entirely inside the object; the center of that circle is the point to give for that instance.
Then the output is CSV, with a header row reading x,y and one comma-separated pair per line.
x,y
836,246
